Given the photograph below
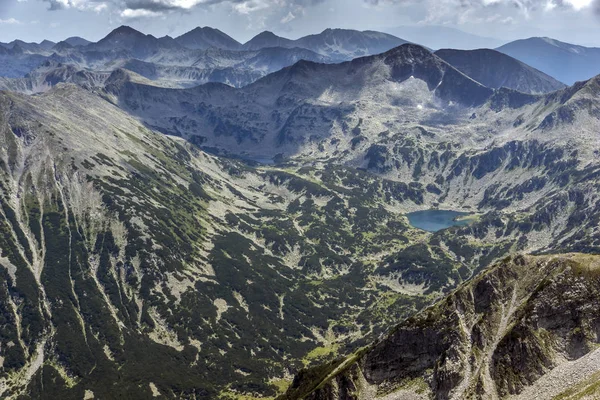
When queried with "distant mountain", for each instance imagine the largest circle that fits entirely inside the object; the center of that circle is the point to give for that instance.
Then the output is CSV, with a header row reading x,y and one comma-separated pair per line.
x,y
281,108
337,44
137,43
50,74
494,69
16,62
267,39
566,62
211,54
77,41
347,44
62,46
444,37
42,47
47,44
232,68
273,59
206,37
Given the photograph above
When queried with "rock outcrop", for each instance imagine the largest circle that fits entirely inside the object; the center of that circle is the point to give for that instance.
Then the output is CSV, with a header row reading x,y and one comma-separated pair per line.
x,y
494,337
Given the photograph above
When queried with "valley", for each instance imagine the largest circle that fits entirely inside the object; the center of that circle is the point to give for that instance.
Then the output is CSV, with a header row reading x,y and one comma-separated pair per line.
x,y
342,216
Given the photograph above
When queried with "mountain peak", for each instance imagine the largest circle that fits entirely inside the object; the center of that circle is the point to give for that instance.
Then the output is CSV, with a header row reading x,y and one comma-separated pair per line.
x,y
64,45
124,30
77,41
408,52
47,44
267,39
266,34
202,38
205,29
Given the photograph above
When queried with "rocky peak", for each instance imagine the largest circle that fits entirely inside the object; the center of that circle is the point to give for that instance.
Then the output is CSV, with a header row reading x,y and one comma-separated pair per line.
x,y
267,39
124,30
207,37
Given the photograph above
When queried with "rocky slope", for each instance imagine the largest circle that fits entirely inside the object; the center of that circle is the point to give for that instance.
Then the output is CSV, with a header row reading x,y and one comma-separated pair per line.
x,y
50,74
495,70
498,335
134,253
408,116
328,100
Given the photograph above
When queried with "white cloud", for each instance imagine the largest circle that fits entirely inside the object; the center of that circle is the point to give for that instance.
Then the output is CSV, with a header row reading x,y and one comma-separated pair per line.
x,y
9,21
258,12
128,13
151,8
289,17
485,11
579,4
94,5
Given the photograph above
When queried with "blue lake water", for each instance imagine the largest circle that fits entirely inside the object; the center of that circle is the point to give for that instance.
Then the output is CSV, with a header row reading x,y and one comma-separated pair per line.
x,y
260,160
435,220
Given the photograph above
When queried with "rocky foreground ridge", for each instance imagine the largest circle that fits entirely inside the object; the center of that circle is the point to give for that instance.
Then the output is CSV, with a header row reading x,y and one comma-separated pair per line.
x,y
527,328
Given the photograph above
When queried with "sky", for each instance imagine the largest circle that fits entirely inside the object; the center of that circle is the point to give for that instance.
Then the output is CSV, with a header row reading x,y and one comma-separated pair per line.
x,y
573,21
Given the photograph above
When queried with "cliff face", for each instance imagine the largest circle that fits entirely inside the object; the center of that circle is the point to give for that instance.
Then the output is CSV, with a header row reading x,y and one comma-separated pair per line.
x,y
504,334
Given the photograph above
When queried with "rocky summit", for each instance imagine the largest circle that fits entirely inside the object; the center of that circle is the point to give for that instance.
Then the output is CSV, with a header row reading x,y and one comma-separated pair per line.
x,y
345,215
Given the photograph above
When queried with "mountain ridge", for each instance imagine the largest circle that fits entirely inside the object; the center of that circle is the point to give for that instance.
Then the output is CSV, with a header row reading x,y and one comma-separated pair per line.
x,y
472,351
507,71
566,62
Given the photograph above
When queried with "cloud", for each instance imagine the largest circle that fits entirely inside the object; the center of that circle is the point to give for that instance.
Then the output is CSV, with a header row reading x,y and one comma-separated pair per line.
x,y
166,5
129,13
151,8
482,11
281,12
94,5
289,17
10,21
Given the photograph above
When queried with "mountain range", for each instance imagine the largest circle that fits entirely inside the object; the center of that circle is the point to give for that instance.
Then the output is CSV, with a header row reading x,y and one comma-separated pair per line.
x,y
249,237
209,55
